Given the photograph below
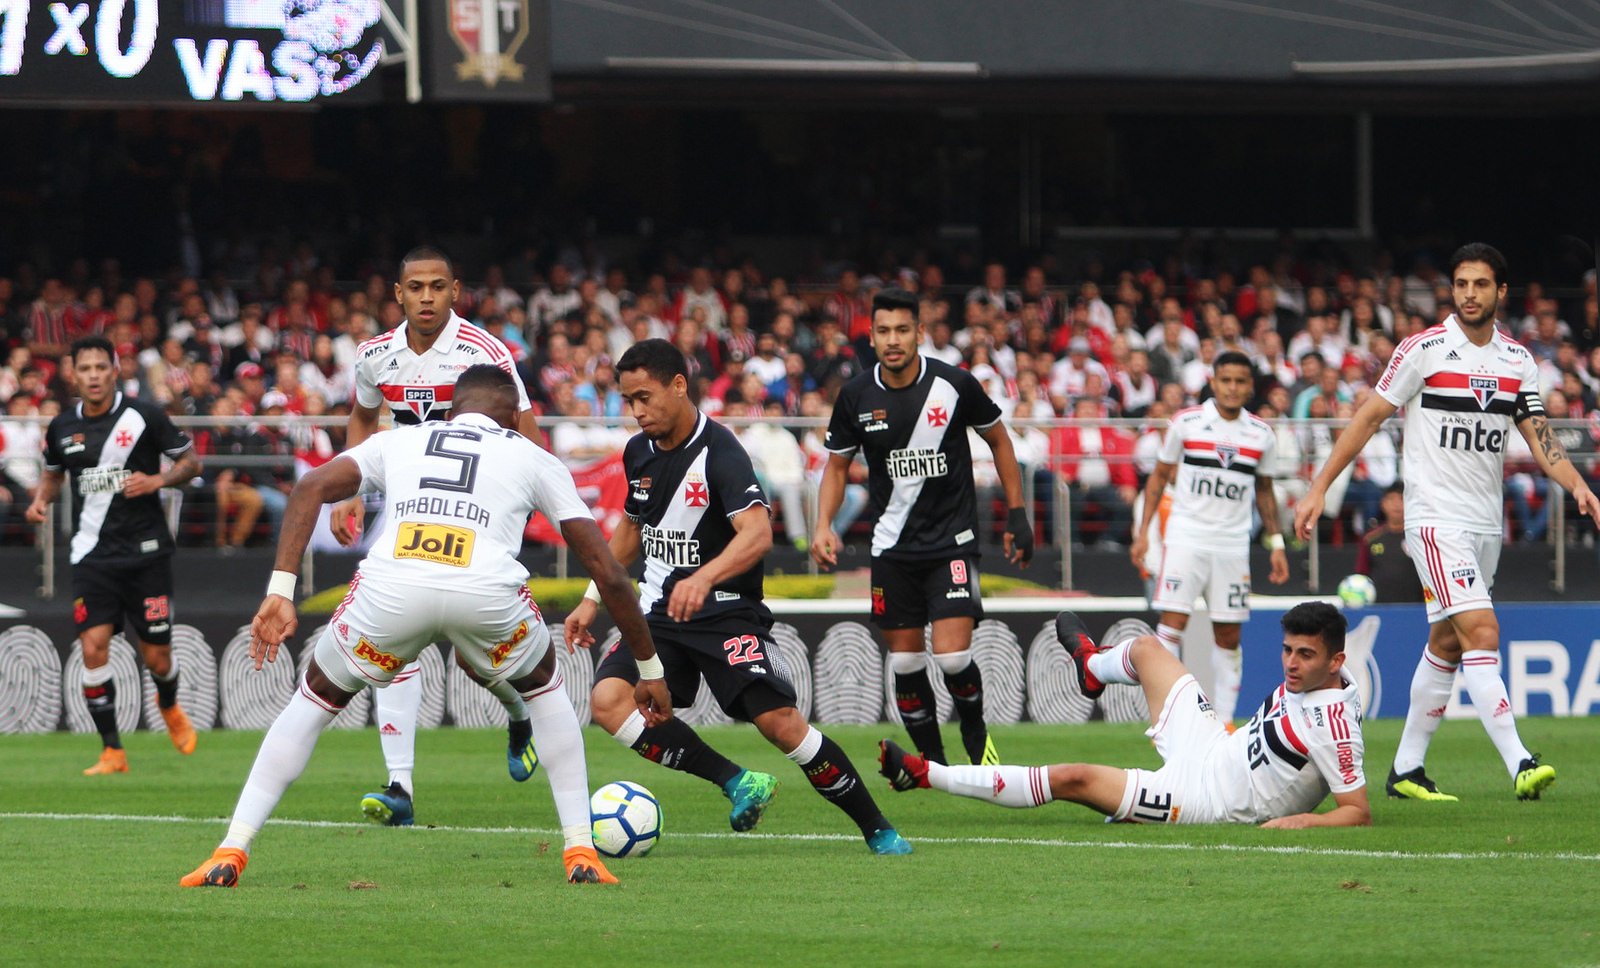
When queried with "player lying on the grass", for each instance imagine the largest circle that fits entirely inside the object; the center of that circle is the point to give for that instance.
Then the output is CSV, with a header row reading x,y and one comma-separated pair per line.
x,y
700,520
1302,743
445,565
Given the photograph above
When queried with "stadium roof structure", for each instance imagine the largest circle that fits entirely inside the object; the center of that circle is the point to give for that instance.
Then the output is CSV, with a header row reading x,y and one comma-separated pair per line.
x,y
1339,52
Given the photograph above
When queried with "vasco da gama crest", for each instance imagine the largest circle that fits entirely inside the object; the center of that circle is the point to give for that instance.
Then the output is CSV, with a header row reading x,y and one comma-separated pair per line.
x,y
489,33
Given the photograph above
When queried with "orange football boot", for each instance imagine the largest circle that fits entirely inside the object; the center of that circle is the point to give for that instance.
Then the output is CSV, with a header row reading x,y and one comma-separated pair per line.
x,y
584,867
179,729
221,869
111,761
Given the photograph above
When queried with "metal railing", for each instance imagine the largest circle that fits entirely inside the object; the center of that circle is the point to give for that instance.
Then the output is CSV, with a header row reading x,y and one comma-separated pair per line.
x,y
1066,506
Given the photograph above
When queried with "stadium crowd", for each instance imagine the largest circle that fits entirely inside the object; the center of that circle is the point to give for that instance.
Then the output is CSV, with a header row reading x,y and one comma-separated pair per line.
x,y
272,334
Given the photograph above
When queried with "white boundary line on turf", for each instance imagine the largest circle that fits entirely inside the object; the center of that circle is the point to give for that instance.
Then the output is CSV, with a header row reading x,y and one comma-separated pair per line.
x,y
1000,841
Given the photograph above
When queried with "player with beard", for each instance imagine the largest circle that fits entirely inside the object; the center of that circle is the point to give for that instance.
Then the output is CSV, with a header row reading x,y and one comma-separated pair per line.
x,y
910,414
1464,387
121,547
413,369
703,524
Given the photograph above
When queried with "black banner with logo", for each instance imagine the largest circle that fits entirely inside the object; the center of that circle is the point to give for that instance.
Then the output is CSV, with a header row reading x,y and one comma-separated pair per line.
x,y
487,50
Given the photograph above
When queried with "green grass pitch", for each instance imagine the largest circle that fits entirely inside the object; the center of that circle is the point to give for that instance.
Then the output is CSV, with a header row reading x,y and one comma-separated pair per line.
x,y
1488,881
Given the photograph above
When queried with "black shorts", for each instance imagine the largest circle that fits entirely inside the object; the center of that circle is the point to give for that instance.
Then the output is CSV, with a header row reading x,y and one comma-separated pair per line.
x,y
104,594
735,654
910,593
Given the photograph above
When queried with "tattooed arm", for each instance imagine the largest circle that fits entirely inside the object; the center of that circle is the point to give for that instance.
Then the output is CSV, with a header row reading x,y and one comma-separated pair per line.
x,y
1547,450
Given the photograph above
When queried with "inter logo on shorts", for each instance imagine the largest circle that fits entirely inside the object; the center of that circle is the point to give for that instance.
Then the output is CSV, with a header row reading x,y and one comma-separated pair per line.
x,y
1484,388
438,543
1226,453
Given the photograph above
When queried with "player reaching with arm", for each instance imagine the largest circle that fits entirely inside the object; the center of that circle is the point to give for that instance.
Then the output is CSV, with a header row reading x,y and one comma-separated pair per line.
x,y
112,446
1303,743
458,494
1213,454
699,518
1464,386
412,369
910,415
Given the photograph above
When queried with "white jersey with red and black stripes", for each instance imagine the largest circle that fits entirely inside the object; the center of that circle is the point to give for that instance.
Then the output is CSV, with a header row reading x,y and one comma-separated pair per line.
x,y
419,386
1297,748
1215,485
1461,401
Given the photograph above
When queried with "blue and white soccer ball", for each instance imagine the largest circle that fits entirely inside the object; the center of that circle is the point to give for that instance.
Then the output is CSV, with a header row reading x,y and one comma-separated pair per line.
x,y
1357,591
626,819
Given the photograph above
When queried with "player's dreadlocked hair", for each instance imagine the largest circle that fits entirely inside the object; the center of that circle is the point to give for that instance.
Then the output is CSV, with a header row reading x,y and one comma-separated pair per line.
x,y
657,357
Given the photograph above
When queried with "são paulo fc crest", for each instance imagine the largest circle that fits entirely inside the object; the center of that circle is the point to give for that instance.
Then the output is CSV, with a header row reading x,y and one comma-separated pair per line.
x,y
1483,388
1226,453
489,34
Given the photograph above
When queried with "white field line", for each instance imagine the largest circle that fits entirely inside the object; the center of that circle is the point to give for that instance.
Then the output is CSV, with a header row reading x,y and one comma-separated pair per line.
x,y
1282,849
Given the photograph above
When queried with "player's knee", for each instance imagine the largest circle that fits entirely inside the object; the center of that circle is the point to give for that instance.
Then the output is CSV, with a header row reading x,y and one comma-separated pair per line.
x,y
1226,636
325,688
158,659
1068,781
610,703
784,728
96,646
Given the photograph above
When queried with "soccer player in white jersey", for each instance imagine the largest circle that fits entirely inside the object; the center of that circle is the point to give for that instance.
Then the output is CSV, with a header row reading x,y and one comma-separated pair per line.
x,y
413,368
445,564
1463,386
1213,455
1302,744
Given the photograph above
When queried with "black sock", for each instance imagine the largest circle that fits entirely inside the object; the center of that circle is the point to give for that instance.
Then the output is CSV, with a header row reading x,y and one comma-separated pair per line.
x,y
966,688
833,775
913,696
166,689
520,732
674,745
102,702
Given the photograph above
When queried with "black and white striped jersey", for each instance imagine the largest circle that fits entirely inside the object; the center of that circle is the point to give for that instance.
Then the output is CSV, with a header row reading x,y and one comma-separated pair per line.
x,y
684,500
98,454
918,459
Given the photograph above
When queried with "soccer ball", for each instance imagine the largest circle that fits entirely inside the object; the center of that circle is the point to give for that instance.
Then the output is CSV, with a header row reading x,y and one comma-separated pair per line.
x,y
1357,591
625,818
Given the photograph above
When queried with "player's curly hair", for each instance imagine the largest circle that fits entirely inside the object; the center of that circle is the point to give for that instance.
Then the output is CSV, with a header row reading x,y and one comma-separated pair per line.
x,y
1480,252
1319,619
657,357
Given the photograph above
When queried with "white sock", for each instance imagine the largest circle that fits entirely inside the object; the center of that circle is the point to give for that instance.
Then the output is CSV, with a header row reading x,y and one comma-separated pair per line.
x,y
1481,670
1171,638
1005,786
631,729
1227,668
283,757
509,698
399,706
558,739
1431,685
1115,664
808,748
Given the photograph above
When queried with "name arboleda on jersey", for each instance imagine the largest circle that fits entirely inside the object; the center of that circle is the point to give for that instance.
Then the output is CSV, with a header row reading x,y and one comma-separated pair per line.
x,y
671,546
916,462
463,509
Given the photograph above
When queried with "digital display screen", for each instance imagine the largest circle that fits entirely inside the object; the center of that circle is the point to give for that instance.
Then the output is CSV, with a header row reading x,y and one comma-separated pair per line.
x,y
190,51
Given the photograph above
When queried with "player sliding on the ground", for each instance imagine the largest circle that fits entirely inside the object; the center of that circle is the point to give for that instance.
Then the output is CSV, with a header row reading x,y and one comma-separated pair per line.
x,y
445,564
1303,743
703,524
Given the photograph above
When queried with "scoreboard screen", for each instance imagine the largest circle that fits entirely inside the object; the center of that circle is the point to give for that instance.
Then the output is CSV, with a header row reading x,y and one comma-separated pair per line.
x,y
189,52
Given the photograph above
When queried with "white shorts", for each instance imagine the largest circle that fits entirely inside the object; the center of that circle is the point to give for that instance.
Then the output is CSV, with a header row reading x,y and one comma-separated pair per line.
x,y
1456,567
1185,735
378,631
1222,576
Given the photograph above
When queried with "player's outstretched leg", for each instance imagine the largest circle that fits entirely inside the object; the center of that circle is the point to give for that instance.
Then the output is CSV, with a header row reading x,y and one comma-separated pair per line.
x,y
398,706
1006,786
163,666
831,774
283,757
560,742
675,745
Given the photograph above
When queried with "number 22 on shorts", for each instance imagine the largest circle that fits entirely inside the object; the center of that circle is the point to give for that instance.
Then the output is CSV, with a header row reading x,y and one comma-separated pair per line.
x,y
743,648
